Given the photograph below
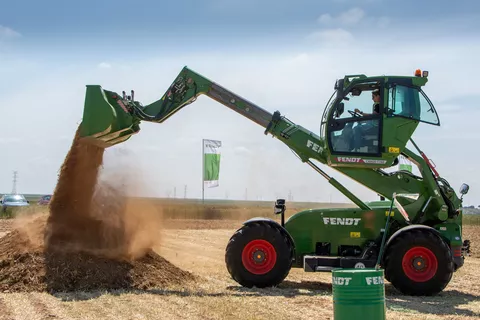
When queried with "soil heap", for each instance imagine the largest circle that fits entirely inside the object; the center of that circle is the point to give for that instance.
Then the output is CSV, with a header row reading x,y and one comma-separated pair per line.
x,y
91,239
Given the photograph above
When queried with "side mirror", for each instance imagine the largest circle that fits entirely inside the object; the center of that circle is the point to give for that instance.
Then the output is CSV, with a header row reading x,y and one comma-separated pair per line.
x,y
464,189
340,109
280,209
279,206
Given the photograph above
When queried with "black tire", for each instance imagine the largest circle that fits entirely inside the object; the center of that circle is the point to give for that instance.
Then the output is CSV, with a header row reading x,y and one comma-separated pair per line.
x,y
270,241
422,247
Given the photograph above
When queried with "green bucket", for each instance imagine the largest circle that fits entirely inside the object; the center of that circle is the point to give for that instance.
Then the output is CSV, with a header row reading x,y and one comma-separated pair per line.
x,y
358,294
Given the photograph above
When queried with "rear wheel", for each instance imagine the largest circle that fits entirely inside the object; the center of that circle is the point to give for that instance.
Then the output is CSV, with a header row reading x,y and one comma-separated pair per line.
x,y
259,255
419,263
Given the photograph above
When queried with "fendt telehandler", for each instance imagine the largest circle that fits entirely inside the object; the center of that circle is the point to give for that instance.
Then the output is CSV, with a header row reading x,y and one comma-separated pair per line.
x,y
424,244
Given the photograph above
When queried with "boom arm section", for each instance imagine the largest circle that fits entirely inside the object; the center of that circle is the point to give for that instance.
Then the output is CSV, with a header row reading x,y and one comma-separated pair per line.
x,y
110,118
188,86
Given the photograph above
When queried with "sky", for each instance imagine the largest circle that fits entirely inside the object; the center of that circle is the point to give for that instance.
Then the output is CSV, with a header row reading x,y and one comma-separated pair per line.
x,y
282,55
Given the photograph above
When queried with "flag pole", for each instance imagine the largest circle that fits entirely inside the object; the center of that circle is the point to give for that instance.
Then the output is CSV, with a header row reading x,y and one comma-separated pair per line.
x,y
203,171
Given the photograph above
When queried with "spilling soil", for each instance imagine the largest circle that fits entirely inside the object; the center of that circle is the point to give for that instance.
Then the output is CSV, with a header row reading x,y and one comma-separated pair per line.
x,y
91,238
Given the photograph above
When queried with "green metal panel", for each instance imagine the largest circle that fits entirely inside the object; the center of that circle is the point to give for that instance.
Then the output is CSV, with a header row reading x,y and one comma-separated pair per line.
x,y
451,231
358,294
338,226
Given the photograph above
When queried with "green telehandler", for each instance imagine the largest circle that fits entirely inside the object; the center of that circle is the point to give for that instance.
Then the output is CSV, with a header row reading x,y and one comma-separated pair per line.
x,y
424,244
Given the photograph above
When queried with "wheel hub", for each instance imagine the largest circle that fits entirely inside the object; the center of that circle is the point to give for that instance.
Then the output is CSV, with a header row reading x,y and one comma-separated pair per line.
x,y
419,264
259,256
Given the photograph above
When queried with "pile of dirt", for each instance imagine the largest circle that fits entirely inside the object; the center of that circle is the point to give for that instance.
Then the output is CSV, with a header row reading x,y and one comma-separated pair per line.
x,y
25,266
5,225
91,238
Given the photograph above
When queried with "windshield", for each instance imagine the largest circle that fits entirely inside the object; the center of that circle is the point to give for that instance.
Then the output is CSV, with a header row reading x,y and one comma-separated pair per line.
x,y
413,103
16,198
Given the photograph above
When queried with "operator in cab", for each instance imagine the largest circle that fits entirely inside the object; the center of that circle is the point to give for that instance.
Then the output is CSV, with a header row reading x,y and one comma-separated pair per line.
x,y
376,104
367,126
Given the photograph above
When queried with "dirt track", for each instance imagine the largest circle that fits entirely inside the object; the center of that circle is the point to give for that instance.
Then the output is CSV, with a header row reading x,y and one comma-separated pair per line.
x,y
201,251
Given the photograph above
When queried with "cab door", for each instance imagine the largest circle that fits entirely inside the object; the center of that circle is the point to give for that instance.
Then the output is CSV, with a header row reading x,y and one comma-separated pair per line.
x,y
353,137
407,106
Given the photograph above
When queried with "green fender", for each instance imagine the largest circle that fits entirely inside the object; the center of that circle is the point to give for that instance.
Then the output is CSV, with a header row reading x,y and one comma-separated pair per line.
x,y
408,228
274,224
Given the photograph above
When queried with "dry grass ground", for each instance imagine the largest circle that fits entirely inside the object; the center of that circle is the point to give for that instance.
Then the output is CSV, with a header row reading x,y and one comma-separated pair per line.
x,y
198,246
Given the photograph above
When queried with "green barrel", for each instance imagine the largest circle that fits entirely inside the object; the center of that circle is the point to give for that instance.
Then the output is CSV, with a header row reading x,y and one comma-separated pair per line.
x,y
358,294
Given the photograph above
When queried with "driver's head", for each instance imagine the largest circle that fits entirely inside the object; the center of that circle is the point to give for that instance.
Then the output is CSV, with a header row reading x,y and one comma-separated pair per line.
x,y
376,95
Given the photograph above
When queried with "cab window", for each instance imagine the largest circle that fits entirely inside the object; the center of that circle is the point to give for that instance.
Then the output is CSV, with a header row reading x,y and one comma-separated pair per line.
x,y
359,99
355,125
412,103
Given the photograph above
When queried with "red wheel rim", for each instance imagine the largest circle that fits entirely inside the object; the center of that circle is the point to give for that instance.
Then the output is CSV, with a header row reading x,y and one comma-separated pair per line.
x,y
259,256
419,264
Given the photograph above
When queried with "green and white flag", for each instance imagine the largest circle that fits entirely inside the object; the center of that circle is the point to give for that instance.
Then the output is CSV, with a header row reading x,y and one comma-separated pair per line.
x,y
404,164
211,163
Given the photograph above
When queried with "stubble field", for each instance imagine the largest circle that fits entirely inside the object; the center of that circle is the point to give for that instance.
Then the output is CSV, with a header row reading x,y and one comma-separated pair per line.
x,y
197,245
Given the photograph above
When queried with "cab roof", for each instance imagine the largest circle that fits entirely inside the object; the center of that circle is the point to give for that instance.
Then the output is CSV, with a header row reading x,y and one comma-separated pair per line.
x,y
418,79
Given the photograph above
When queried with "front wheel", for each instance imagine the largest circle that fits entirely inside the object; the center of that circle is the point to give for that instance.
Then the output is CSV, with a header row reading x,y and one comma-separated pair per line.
x,y
259,255
419,263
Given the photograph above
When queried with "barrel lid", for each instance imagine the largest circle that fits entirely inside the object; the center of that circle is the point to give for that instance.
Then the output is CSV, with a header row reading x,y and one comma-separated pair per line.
x,y
357,270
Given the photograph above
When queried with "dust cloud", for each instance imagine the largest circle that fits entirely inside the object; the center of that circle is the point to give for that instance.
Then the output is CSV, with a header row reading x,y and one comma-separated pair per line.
x,y
93,213
94,236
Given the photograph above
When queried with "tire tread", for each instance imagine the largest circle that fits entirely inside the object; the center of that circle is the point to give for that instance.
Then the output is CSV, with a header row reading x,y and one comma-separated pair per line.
x,y
259,230
394,272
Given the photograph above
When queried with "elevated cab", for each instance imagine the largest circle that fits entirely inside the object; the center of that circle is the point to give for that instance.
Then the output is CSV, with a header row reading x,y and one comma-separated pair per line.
x,y
369,120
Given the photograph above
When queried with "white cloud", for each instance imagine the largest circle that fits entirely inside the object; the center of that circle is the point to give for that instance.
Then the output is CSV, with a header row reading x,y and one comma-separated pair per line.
x,y
347,18
104,65
331,36
8,33
325,18
351,17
